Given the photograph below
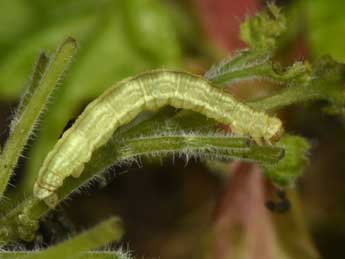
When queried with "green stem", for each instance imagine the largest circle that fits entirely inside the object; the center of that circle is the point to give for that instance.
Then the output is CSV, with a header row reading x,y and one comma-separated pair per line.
x,y
28,117
19,223
184,144
287,96
103,233
326,85
87,255
251,64
37,73
262,71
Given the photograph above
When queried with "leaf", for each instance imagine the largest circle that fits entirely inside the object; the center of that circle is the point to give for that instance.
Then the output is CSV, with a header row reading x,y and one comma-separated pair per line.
x,y
327,80
288,169
99,235
250,64
262,30
30,110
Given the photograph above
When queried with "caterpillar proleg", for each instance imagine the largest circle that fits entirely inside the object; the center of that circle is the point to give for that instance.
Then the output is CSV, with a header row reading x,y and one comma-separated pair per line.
x,y
122,102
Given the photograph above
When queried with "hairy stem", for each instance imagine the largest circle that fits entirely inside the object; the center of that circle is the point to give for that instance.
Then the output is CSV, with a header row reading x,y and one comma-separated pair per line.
x,y
287,96
250,64
123,148
87,255
37,73
32,109
99,235
327,85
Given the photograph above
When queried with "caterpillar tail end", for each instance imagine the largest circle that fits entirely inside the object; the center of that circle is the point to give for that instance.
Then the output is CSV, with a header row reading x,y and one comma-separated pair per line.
x,y
43,193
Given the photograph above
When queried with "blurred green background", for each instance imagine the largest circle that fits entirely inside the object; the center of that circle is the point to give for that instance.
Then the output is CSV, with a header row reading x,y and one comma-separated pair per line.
x,y
173,210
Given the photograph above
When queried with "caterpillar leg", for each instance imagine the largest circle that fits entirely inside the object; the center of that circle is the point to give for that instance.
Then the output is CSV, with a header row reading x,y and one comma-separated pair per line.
x,y
258,140
77,172
236,130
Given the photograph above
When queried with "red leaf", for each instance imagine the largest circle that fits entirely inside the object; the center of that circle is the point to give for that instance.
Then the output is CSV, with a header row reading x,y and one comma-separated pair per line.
x,y
243,227
221,20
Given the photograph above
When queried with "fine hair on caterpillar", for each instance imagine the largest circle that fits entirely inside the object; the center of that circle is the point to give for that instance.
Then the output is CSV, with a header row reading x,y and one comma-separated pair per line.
x,y
122,102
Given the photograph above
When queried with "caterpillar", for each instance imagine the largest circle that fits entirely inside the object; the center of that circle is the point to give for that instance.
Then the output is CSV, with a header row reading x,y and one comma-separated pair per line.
x,y
122,102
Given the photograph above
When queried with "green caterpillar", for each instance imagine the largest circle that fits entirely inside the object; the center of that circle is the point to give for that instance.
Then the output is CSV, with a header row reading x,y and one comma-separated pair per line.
x,y
125,100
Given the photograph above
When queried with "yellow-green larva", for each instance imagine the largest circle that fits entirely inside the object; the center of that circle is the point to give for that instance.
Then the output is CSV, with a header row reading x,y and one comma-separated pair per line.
x,y
125,100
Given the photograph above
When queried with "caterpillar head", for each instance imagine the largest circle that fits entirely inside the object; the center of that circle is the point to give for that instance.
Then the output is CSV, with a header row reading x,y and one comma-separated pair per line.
x,y
274,130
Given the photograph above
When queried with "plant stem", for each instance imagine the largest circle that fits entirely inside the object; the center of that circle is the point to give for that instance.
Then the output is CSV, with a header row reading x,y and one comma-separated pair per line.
x,y
87,255
287,96
262,71
37,73
101,234
32,109
122,149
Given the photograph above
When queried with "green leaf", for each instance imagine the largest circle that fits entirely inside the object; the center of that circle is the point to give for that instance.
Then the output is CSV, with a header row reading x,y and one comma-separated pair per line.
x,y
37,73
252,65
119,254
101,234
326,84
32,109
261,31
288,169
